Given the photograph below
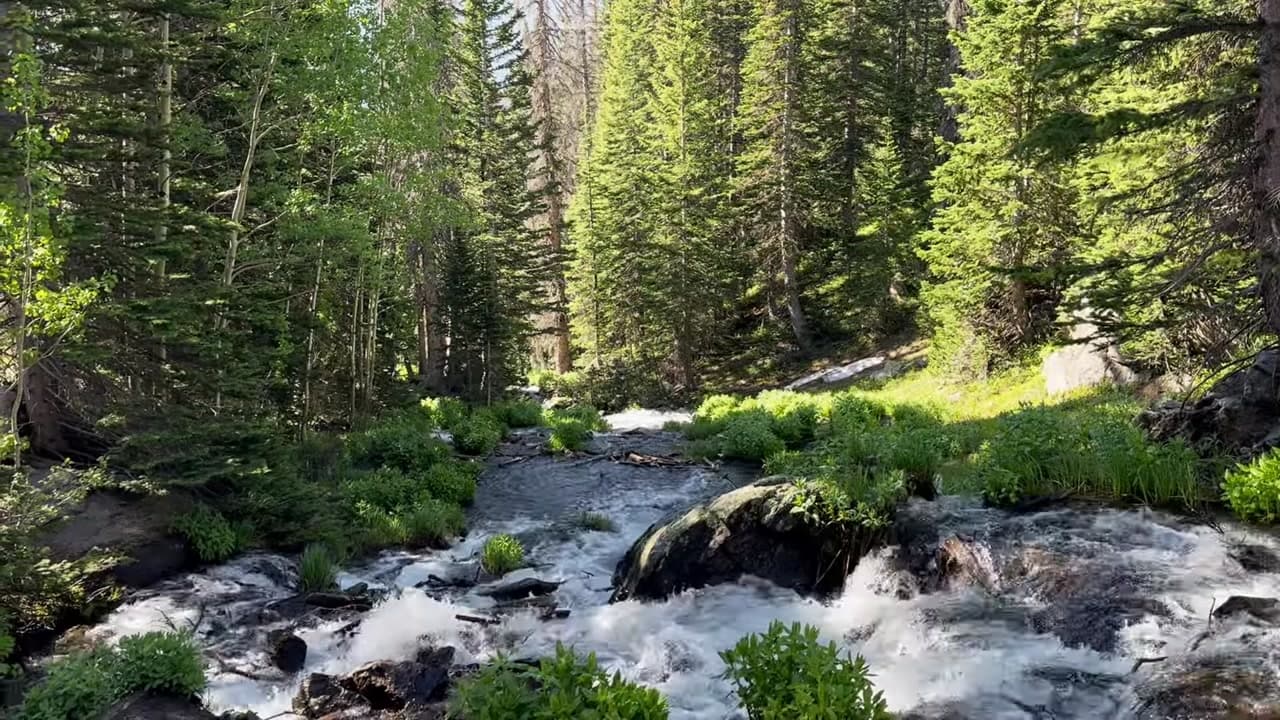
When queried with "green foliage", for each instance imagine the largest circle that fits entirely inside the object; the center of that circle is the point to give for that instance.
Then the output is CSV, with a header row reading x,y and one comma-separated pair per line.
x,y
518,413
214,538
82,686
501,555
786,674
402,441
445,412
79,687
568,434
1253,489
317,569
559,688
160,662
433,522
749,436
453,481
595,522
479,434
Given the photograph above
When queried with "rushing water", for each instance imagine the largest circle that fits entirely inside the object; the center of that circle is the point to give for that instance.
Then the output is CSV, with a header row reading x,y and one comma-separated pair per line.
x,y
1054,612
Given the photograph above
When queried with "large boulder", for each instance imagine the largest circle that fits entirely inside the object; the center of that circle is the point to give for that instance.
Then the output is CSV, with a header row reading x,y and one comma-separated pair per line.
x,y
1240,415
754,530
1092,360
288,651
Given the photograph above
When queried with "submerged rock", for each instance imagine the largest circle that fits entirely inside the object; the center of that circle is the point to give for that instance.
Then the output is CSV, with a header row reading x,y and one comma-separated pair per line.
x,y
1264,609
519,589
753,530
1218,688
1256,558
321,695
288,651
158,707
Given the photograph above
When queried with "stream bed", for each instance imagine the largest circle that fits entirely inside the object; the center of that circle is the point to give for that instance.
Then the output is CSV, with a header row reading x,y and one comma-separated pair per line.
x,y
978,614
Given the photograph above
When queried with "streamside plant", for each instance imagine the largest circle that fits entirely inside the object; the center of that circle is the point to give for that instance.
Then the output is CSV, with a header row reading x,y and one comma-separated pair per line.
x,y
317,570
501,555
595,522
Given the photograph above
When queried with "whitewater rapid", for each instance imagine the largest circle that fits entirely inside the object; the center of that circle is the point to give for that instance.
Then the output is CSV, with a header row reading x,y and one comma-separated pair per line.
x,y
963,649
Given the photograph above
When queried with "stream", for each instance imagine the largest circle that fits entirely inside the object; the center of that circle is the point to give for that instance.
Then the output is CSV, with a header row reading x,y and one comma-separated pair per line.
x,y
978,613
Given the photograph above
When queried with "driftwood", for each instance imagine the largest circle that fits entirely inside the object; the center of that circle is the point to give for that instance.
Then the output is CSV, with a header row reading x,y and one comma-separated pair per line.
x,y
1145,661
477,619
642,460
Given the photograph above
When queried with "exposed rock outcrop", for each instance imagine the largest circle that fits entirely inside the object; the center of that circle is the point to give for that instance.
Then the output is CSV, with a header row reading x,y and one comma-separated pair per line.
x,y
1240,415
1091,361
754,530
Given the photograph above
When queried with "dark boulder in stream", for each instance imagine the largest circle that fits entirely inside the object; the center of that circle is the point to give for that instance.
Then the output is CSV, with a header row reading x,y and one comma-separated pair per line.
x,y
753,530
380,689
288,651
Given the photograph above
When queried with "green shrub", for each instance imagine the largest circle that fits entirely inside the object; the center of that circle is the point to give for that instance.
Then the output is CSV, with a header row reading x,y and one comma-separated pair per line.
x,y
786,674
317,569
160,662
518,413
595,522
568,434
78,687
378,528
478,434
1253,489
214,538
82,686
403,442
433,522
453,481
585,414
749,436
850,413
561,688
501,555
385,488
445,412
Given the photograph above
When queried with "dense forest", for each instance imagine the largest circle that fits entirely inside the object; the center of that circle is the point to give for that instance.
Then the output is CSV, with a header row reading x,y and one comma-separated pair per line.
x,y
240,238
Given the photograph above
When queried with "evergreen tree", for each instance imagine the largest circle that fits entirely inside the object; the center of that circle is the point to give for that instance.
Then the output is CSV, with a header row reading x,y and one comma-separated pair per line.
x,y
1001,216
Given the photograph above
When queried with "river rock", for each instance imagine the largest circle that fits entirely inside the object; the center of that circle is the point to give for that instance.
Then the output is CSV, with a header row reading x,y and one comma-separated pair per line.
x,y
1264,609
334,601
1256,558
1240,415
288,651
519,589
414,688
753,530
1218,688
158,707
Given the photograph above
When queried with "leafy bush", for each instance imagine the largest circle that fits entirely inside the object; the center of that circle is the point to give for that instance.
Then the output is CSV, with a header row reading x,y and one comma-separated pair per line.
x,y
84,685
749,436
568,434
1253,490
786,674
478,434
214,538
452,481
518,413
160,662
595,522
501,555
445,412
317,569
559,688
586,414
78,687
377,527
433,522
403,442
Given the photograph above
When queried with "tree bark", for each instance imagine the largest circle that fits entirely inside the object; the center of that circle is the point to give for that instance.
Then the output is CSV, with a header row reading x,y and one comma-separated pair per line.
x,y
1266,180
788,225
957,12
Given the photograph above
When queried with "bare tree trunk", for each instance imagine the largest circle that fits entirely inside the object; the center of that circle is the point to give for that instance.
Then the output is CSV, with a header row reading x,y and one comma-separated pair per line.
x,y
957,12
242,187
788,226
164,171
1266,180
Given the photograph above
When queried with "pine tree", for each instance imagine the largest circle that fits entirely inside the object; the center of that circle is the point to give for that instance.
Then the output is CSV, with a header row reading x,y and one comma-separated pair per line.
x,y
772,184
1001,215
